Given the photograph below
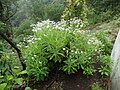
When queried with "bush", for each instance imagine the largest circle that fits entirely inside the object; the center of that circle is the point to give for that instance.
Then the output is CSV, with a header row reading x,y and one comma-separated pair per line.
x,y
23,30
117,22
10,70
68,48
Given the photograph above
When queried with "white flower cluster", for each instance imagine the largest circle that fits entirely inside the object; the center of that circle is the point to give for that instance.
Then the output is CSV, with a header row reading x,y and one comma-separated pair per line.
x,y
82,31
77,51
75,22
94,41
72,24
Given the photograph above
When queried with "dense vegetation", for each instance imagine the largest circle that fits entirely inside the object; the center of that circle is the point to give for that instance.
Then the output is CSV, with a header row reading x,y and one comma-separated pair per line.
x,y
39,37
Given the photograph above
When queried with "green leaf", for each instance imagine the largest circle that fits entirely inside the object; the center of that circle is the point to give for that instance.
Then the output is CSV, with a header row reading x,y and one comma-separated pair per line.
x,y
22,72
1,77
19,81
10,77
2,86
106,74
16,67
74,68
61,54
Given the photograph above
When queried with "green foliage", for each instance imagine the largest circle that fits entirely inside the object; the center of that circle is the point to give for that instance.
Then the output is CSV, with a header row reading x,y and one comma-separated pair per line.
x,y
102,10
76,8
107,49
39,10
6,12
69,49
53,11
3,47
95,86
22,30
117,22
10,70
2,86
10,81
106,64
2,26
82,52
50,44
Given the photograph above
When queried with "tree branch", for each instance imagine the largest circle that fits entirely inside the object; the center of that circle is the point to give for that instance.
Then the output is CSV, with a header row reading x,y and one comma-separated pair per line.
x,y
16,48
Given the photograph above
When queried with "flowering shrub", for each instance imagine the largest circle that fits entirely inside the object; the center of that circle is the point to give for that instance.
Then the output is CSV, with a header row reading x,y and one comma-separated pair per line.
x,y
70,48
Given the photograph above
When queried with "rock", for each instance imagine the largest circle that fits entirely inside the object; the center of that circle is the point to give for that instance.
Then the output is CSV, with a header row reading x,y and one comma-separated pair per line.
x,y
115,56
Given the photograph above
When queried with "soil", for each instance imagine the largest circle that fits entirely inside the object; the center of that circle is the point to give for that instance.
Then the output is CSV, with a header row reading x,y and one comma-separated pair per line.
x,y
63,81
